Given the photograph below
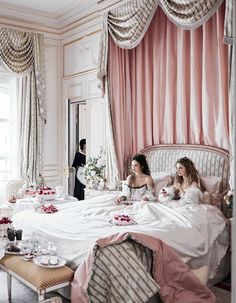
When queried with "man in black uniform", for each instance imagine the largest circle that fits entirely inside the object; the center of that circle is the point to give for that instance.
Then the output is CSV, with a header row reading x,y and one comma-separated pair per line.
x,y
79,161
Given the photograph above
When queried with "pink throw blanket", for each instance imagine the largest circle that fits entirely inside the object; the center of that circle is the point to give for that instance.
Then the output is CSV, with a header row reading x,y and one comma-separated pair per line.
x,y
178,284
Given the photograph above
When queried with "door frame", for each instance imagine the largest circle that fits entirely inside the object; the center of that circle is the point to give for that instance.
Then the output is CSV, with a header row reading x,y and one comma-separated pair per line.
x,y
70,174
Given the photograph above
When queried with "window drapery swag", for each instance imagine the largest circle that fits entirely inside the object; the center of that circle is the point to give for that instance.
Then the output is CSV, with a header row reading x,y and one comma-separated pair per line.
x,y
128,23
23,53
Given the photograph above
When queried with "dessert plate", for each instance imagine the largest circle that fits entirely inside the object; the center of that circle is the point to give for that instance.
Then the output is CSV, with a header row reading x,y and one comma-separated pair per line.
x,y
122,223
40,261
47,210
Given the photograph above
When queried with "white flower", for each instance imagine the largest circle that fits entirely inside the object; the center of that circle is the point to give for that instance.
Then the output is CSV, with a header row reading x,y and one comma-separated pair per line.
x,y
101,162
94,168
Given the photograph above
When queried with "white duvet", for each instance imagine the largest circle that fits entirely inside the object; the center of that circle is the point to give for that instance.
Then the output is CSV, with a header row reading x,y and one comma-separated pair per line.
x,y
193,230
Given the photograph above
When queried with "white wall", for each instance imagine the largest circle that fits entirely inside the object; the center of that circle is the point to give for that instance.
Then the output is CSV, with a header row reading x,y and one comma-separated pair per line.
x,y
80,83
71,68
52,168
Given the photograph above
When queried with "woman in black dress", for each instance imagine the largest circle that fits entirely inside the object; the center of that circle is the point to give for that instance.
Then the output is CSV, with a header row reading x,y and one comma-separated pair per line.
x,y
79,161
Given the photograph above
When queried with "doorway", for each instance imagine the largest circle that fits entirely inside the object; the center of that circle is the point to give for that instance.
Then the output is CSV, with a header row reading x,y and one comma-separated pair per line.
x,y
77,121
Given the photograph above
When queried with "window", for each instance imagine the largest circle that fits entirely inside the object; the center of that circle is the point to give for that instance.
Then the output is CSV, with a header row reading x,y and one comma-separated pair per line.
x,y
8,131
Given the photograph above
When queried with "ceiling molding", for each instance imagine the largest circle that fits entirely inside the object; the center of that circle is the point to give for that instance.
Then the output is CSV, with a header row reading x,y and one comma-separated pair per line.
x,y
57,22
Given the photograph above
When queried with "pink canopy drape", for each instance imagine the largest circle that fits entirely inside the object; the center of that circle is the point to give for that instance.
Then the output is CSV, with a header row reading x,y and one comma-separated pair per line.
x,y
171,88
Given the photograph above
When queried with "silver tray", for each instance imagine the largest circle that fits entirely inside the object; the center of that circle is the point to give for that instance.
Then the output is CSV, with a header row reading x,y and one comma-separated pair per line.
x,y
19,253
37,261
23,250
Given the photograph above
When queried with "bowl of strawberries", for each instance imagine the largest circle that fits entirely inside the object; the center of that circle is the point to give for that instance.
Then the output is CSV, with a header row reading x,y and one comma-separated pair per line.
x,y
46,209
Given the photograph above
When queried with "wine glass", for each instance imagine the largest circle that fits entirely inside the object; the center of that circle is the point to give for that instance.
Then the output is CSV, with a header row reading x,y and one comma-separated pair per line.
x,y
52,248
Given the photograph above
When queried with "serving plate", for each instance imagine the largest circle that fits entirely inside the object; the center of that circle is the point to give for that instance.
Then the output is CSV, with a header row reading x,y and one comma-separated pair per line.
x,y
38,261
23,249
122,223
38,210
20,253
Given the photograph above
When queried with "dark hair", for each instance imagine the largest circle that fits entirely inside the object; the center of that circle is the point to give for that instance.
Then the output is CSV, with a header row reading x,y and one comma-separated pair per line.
x,y
141,159
82,142
191,171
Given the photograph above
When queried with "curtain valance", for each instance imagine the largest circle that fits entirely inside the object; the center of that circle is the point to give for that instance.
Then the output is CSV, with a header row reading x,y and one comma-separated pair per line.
x,y
23,52
128,23
16,50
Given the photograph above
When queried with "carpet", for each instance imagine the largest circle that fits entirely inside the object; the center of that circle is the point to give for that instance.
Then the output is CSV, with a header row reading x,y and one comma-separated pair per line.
x,y
225,284
23,294
222,295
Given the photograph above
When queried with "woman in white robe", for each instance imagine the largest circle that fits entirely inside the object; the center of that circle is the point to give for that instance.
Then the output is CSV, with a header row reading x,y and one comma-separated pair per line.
x,y
139,185
187,181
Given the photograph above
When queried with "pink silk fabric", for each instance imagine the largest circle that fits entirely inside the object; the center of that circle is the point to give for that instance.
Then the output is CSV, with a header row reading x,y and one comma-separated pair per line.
x,y
178,284
171,88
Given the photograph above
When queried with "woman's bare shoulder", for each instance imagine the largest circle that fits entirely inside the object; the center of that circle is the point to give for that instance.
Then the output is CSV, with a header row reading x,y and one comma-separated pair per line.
x,y
129,178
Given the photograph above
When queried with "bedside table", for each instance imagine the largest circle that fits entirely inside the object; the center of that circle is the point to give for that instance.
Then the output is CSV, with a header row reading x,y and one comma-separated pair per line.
x,y
91,193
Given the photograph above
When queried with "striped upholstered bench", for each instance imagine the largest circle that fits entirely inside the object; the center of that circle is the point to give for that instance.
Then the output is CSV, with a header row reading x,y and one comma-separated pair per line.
x,y
39,279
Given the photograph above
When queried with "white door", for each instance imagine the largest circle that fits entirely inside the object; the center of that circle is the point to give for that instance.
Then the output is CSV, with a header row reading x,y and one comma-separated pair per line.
x,y
77,121
95,126
85,119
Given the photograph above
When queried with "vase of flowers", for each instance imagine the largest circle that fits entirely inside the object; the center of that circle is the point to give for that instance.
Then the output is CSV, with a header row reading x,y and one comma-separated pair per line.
x,y
229,199
94,171
229,202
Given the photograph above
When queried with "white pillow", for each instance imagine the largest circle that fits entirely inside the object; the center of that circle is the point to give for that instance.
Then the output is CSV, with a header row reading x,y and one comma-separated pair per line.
x,y
160,180
159,176
212,184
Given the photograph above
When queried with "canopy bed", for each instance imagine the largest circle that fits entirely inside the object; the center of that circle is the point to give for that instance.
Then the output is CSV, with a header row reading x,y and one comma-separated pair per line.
x,y
197,233
174,105
166,85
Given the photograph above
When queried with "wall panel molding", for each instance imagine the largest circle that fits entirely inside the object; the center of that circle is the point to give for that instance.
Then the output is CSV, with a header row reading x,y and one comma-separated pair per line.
x,y
81,54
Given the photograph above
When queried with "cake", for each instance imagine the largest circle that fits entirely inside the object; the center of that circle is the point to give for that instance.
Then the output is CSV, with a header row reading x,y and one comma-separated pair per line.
x,y
46,193
53,260
44,260
123,220
13,248
30,190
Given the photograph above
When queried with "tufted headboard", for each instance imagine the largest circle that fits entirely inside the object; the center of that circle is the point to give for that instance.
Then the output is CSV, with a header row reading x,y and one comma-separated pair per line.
x,y
210,161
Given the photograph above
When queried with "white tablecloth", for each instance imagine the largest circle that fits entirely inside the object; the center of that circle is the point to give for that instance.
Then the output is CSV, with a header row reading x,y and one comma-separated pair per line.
x,y
32,203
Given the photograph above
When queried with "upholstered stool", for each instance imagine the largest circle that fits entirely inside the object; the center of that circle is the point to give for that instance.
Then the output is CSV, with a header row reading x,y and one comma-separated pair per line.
x,y
39,279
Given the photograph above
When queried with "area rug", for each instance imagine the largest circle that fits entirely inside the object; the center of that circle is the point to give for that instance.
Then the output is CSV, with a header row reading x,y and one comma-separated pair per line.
x,y
225,284
222,295
20,292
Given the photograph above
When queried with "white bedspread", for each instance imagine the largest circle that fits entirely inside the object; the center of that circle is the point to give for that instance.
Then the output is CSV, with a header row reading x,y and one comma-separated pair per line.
x,y
191,230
